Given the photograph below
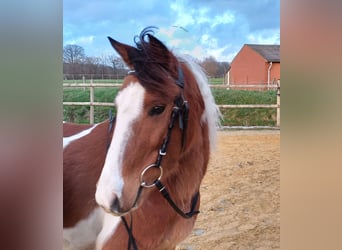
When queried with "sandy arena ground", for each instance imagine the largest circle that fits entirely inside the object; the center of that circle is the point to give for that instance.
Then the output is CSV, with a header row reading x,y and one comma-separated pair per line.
x,y
240,194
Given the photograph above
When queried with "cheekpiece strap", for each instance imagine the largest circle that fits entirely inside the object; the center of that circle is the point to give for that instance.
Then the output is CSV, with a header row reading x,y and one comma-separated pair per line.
x,y
180,80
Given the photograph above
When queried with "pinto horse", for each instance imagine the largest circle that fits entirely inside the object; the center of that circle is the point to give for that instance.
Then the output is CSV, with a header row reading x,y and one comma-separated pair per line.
x,y
84,152
147,183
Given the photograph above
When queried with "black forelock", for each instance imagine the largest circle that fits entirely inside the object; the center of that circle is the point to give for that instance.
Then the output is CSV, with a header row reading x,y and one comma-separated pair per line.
x,y
154,64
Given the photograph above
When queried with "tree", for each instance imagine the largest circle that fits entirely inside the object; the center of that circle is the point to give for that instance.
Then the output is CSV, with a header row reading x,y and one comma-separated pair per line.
x,y
118,65
210,65
214,68
223,68
91,65
73,54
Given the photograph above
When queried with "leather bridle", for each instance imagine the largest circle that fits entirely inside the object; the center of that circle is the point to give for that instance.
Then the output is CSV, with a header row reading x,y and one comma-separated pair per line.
x,y
180,111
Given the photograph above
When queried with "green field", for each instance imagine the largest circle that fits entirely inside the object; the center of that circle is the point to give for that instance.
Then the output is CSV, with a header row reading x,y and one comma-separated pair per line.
x,y
231,117
216,81
211,81
246,116
94,81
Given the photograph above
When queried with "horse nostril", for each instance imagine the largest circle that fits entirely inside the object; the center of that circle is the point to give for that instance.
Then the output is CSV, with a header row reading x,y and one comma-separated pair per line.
x,y
115,205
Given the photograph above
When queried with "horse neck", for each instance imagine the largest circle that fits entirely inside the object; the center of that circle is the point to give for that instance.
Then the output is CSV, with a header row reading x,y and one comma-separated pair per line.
x,y
82,166
190,168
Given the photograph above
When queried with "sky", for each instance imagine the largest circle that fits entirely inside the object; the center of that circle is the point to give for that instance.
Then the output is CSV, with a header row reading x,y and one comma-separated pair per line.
x,y
200,28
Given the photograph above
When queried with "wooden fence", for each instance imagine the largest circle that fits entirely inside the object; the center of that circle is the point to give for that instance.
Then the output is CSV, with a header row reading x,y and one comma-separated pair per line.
x,y
93,85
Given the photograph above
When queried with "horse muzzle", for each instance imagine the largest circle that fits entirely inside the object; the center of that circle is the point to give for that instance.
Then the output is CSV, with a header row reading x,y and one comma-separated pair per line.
x,y
117,210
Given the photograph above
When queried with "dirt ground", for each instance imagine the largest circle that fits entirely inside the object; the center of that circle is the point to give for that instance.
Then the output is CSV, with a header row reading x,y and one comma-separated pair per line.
x,y
240,194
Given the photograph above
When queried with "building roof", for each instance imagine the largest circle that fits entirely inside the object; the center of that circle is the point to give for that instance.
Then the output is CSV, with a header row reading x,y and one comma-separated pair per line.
x,y
270,52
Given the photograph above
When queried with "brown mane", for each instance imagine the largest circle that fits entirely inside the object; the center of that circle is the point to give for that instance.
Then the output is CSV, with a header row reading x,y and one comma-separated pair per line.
x,y
152,62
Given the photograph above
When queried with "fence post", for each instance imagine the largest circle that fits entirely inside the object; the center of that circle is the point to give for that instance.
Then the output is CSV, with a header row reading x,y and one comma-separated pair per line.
x,y
278,103
91,114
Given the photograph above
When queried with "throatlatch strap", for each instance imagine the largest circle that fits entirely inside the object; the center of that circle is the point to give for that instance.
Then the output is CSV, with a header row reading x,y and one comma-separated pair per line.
x,y
162,189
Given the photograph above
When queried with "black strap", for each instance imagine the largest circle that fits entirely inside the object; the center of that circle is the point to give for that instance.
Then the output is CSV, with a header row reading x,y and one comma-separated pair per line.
x,y
181,109
183,121
131,240
180,80
162,150
162,189
182,103
110,127
129,229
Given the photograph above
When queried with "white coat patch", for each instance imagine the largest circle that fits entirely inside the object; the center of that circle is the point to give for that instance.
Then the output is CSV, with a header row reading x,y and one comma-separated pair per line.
x,y
84,234
68,140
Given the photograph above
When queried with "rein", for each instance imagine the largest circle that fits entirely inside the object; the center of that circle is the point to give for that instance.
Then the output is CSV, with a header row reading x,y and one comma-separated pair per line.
x,y
110,127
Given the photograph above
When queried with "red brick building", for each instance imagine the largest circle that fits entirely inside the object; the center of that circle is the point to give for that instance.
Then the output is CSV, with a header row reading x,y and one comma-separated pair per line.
x,y
255,64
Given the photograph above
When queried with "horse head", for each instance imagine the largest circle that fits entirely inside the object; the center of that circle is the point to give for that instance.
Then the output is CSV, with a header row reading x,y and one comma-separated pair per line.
x,y
162,128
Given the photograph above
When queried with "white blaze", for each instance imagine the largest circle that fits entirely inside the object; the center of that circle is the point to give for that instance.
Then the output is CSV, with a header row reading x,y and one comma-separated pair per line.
x,y
129,103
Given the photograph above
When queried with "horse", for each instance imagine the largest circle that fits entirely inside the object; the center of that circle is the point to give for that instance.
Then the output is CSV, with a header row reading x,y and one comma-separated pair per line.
x,y
146,173
84,152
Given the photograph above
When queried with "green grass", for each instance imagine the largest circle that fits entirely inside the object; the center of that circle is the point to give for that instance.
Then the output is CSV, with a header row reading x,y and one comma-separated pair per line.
x,y
80,114
231,117
249,117
94,81
246,116
216,81
224,96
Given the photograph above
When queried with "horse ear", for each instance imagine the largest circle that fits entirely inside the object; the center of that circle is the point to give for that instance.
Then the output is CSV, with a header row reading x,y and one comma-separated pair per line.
x,y
156,43
125,51
160,49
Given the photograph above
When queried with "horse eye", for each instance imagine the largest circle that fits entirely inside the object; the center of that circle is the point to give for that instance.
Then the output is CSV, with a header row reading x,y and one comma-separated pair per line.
x,y
156,110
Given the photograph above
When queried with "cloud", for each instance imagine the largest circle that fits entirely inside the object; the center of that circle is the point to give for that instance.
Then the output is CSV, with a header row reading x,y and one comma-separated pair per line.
x,y
264,37
217,53
83,40
175,42
198,27
196,52
184,16
167,32
225,18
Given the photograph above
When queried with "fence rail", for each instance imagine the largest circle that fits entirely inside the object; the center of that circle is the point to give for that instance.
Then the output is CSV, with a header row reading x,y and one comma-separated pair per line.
x,y
245,86
93,85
